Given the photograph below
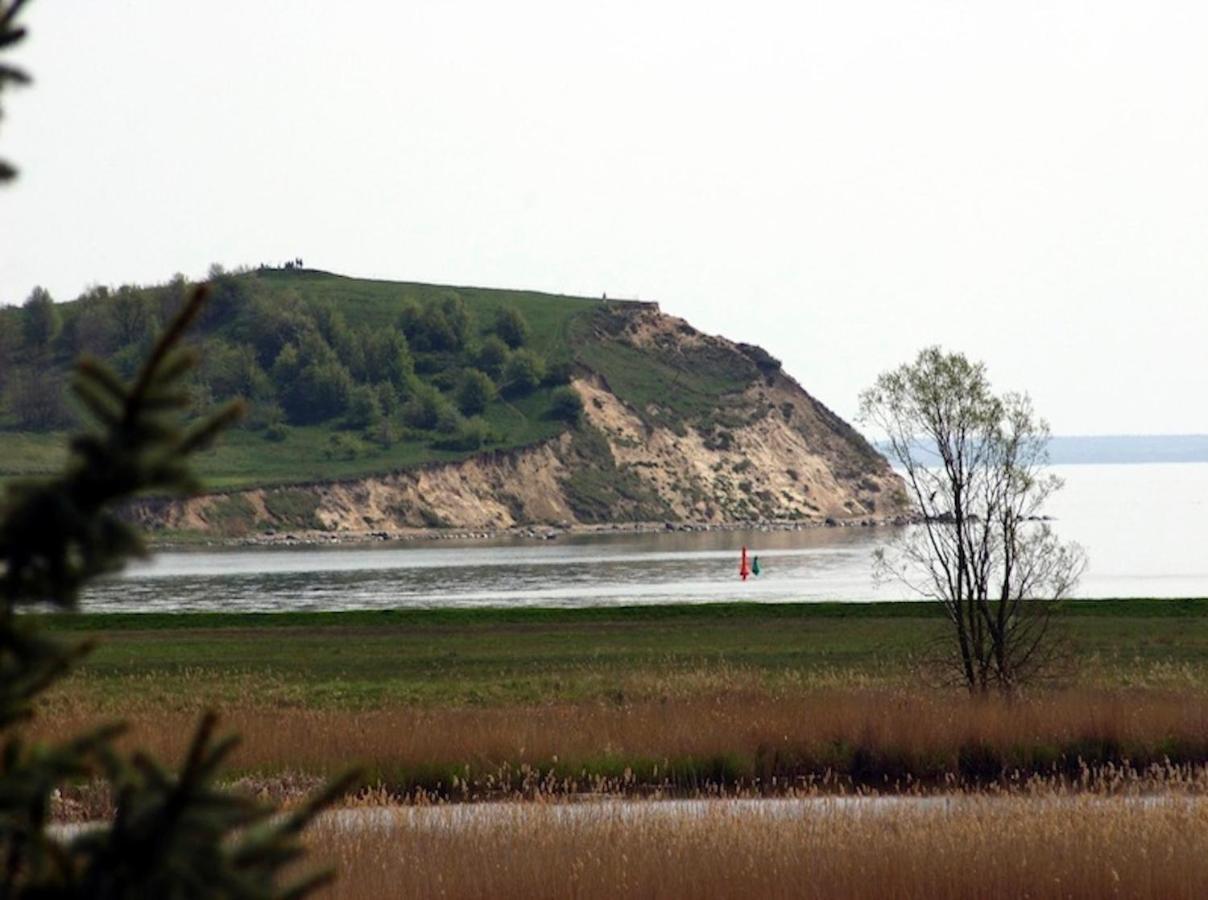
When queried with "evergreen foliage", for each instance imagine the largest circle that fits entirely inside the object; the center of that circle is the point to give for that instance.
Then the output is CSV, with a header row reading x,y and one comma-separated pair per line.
x,y
41,319
174,835
11,33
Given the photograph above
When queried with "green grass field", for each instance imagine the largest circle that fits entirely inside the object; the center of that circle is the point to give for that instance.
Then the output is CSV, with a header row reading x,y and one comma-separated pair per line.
x,y
454,657
376,303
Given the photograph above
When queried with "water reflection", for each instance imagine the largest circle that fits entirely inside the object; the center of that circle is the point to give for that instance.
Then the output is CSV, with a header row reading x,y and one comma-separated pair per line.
x,y
578,571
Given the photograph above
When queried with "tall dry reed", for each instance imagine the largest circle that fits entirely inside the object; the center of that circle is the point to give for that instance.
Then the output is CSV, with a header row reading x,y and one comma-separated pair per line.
x,y
883,738
1070,848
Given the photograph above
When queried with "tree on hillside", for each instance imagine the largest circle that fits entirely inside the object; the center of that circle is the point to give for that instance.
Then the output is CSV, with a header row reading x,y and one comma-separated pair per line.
x,y
312,392
35,400
132,315
474,391
511,327
272,323
364,408
42,320
229,295
9,343
973,464
92,329
388,358
428,408
346,344
231,371
172,297
492,356
439,326
522,373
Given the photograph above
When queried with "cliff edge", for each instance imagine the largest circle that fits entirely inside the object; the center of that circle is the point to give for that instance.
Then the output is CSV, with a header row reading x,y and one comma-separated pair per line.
x,y
677,426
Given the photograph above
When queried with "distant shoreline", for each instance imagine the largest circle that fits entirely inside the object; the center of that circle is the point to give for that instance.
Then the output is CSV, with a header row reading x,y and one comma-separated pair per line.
x,y
300,538
1116,449
1128,449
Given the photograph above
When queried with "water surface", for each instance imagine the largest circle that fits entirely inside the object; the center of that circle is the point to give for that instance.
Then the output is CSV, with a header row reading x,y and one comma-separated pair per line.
x,y
1145,528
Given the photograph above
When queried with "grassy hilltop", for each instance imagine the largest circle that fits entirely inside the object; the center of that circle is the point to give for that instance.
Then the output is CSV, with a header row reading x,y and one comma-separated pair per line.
x,y
343,376
380,370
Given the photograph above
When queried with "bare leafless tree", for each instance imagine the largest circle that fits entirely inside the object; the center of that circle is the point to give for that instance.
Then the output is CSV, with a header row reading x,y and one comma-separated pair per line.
x,y
974,464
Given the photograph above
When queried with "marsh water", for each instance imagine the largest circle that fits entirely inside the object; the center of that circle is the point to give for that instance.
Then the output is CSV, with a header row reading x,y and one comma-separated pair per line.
x,y
1144,526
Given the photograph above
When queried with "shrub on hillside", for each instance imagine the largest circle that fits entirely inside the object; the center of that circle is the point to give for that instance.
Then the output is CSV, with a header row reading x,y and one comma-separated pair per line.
x,y
511,327
558,373
471,434
426,409
41,320
523,373
474,391
438,325
388,357
567,405
321,392
231,370
448,419
364,408
37,401
492,356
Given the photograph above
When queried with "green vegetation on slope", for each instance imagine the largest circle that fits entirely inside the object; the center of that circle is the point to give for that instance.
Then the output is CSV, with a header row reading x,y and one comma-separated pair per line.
x,y
664,384
343,377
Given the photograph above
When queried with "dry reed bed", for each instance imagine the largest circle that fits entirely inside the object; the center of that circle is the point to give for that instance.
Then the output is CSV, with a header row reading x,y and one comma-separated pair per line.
x,y
1082,847
739,740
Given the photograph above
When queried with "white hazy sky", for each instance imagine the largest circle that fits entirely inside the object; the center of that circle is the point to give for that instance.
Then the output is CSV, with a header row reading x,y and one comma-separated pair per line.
x,y
841,182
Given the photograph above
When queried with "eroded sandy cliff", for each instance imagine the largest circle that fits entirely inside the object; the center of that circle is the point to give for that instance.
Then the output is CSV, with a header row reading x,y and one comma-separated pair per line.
x,y
762,449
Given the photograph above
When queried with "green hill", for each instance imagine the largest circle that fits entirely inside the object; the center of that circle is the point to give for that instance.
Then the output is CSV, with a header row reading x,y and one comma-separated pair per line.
x,y
564,409
343,376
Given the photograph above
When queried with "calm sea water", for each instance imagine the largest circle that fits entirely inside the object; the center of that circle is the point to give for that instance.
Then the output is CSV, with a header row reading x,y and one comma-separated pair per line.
x,y
1145,528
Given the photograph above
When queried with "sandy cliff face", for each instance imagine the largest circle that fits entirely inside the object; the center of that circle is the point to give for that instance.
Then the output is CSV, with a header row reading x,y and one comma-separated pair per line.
x,y
770,453
774,454
769,469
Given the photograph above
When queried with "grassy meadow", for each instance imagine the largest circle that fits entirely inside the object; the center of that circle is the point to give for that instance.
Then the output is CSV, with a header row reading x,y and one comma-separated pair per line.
x,y
775,719
462,704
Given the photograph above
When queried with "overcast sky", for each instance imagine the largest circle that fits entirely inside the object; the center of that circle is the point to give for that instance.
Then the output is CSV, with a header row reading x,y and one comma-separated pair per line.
x,y
840,182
